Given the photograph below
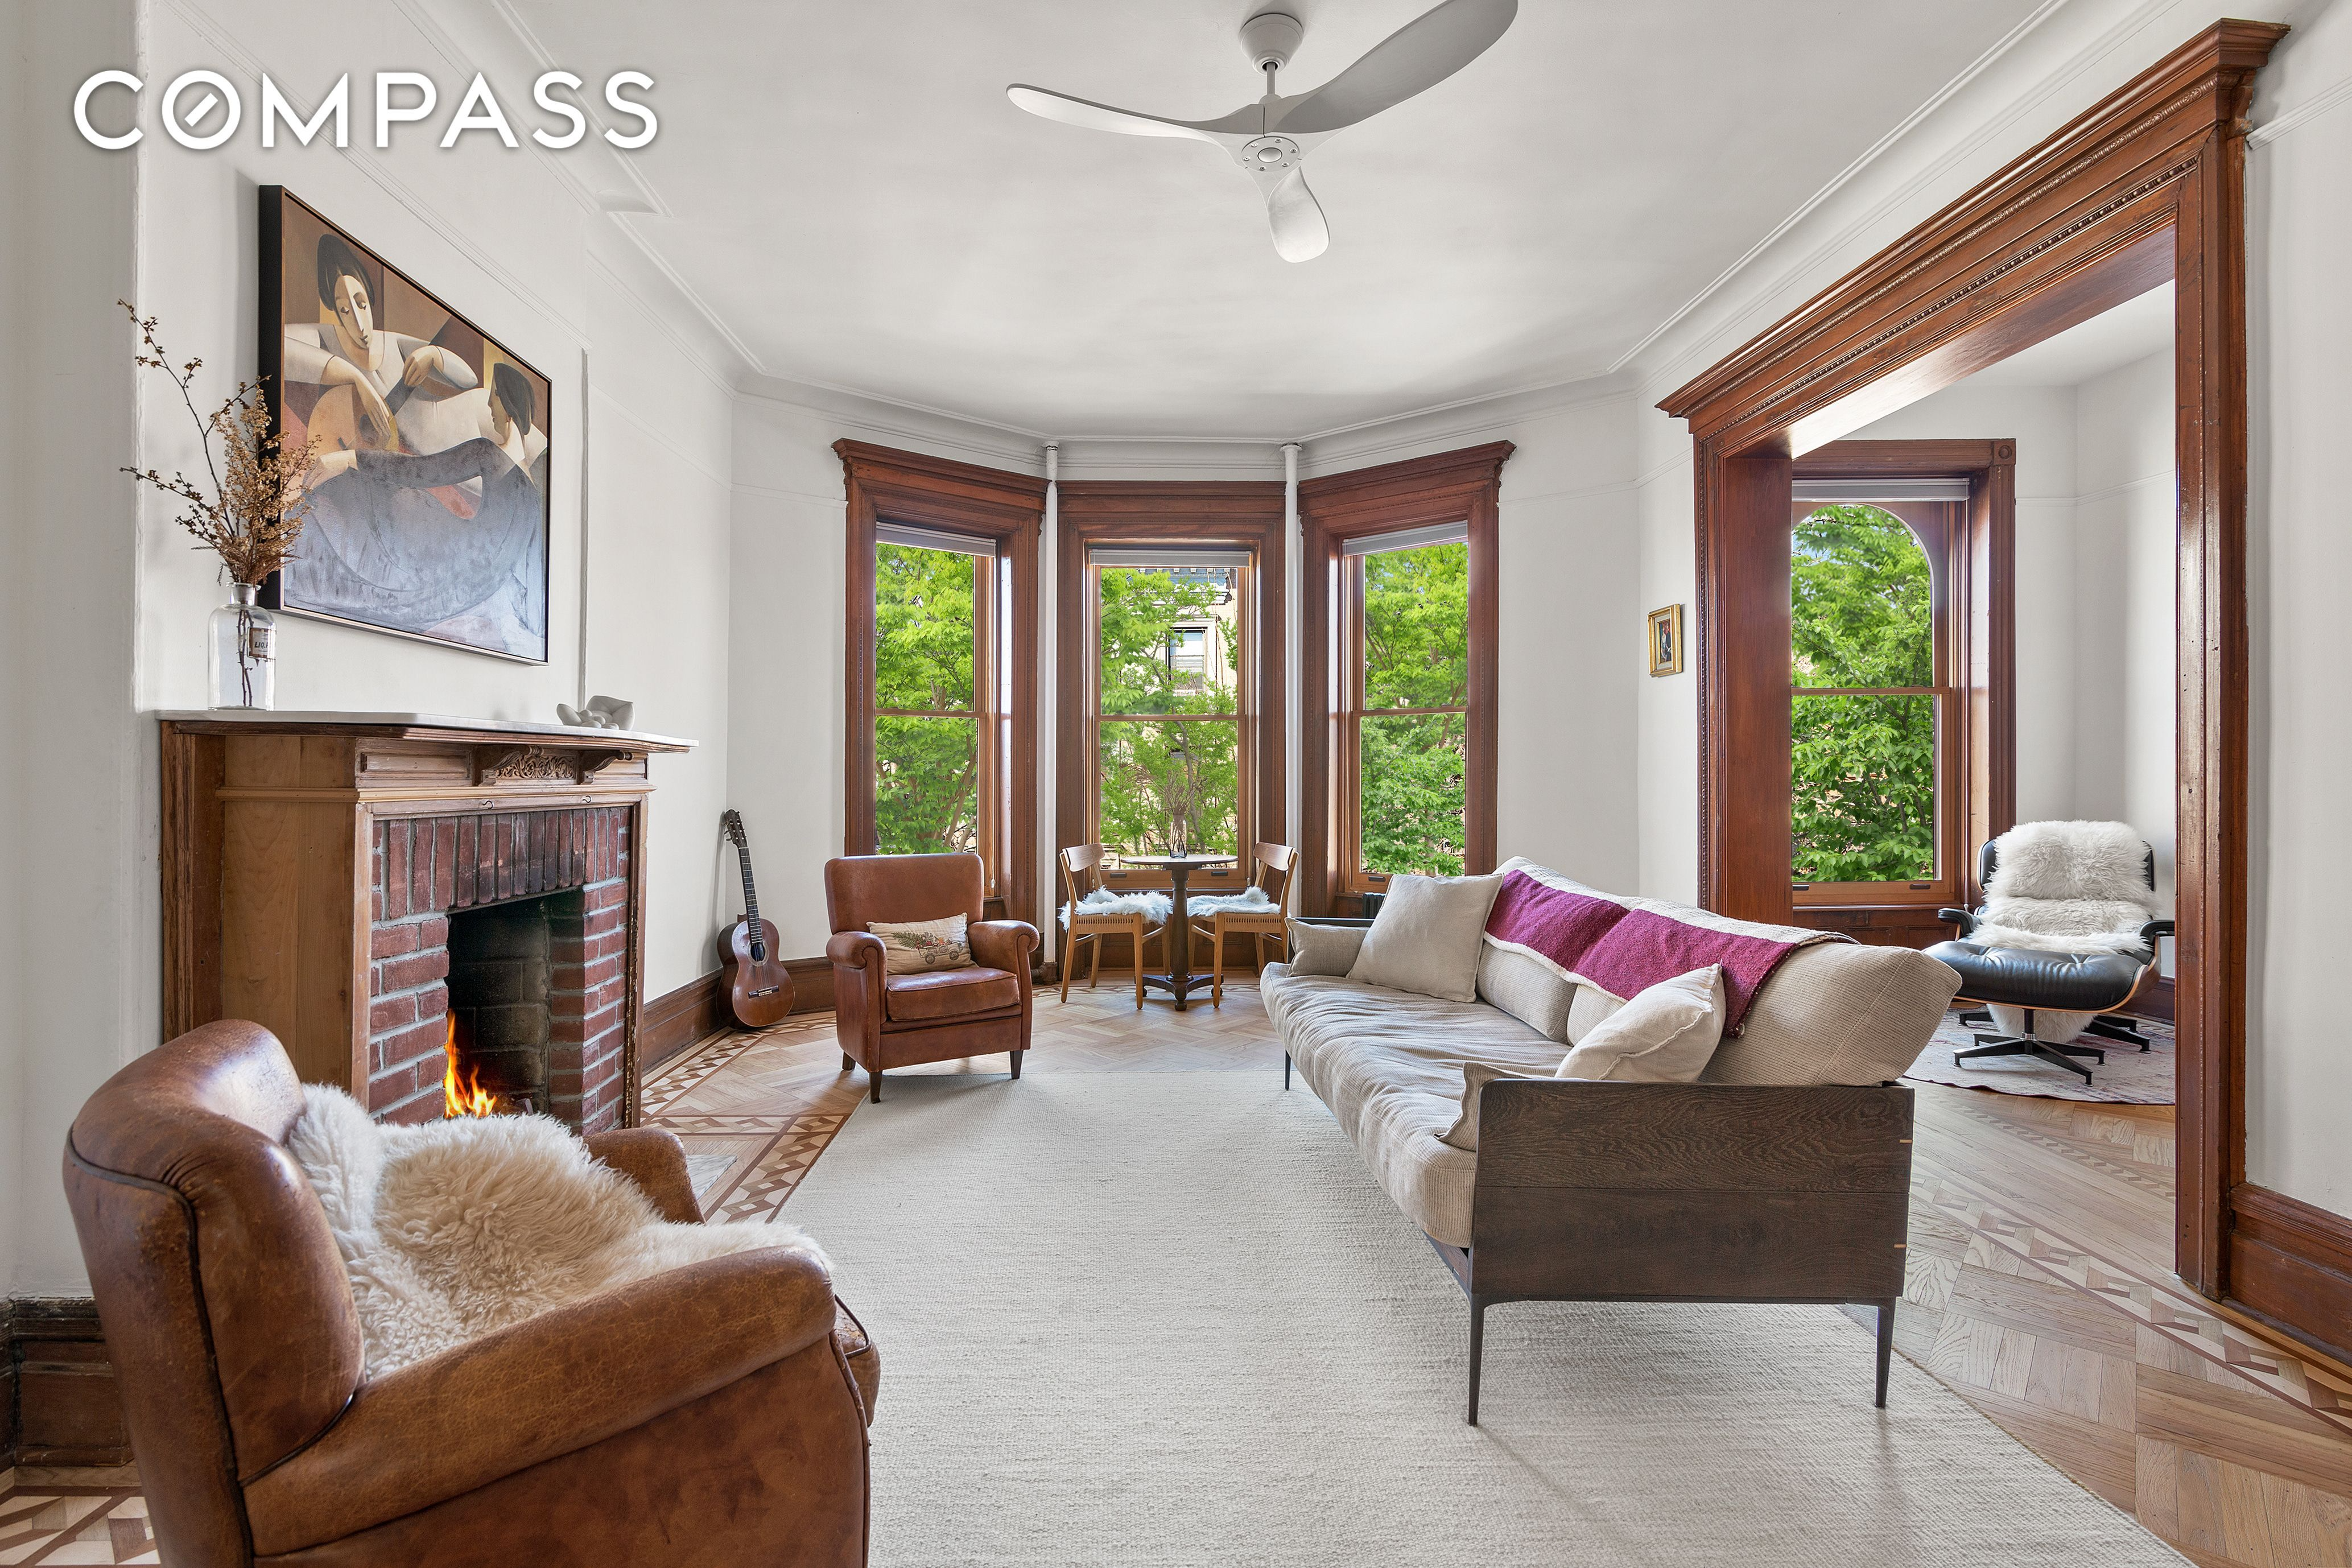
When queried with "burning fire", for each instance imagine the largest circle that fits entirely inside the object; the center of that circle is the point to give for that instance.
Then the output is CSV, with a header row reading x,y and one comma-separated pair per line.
x,y
468,1098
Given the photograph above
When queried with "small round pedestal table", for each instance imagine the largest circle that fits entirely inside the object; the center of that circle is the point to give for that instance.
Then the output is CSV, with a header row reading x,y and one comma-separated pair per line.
x,y
1178,942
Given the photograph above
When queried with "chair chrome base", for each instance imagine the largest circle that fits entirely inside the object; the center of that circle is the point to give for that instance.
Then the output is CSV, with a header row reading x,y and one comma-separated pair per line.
x,y
2025,1045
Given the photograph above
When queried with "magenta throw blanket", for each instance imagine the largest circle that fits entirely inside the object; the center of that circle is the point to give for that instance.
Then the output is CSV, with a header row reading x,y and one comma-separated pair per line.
x,y
1625,951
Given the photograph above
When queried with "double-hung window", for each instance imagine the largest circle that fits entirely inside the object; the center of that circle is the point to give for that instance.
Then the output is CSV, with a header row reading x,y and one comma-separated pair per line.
x,y
1172,660
1874,709
941,696
1405,704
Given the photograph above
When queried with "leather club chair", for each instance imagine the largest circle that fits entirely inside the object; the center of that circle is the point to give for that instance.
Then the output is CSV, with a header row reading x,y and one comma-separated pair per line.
x,y
714,1415
888,1020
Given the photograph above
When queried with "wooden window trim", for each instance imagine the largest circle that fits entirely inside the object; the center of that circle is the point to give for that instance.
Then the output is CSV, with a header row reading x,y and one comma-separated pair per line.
x,y
1973,547
2146,184
1247,514
1464,484
964,498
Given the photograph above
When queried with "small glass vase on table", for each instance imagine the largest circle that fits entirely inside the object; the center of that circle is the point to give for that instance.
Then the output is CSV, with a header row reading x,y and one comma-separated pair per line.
x,y
244,647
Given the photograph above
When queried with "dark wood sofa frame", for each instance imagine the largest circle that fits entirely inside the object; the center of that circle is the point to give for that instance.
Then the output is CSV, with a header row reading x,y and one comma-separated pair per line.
x,y
1685,1192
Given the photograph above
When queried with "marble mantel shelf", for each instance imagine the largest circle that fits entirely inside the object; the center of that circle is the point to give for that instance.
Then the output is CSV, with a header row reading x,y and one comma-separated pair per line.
x,y
431,726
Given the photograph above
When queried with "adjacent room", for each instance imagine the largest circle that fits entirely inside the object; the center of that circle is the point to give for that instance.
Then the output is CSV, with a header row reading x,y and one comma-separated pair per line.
x,y
785,795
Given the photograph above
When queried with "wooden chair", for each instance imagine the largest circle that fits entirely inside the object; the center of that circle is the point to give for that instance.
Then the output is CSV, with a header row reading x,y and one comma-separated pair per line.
x,y
1270,870
1081,875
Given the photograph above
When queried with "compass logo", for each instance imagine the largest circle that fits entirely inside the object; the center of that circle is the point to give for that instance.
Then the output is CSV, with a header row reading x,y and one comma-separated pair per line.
x,y
201,110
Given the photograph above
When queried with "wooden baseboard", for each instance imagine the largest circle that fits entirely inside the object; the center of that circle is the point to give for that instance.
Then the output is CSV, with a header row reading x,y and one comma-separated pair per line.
x,y
697,1009
59,1405
2155,1000
2291,1264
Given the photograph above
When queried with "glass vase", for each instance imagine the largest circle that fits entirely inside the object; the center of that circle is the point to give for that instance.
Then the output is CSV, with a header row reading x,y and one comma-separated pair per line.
x,y
244,651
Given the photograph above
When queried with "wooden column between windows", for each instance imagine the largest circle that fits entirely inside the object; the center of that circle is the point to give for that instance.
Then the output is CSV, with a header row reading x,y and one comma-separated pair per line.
x,y
885,484
1460,485
2146,184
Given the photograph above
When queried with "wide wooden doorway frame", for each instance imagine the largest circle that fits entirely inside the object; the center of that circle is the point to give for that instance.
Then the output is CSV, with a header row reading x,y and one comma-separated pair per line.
x,y
2148,185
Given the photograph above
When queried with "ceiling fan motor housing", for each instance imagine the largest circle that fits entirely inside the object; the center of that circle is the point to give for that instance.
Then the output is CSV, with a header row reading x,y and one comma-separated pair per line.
x,y
1271,38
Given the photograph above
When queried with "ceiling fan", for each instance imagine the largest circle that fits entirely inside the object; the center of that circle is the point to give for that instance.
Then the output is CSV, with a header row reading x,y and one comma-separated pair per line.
x,y
1270,139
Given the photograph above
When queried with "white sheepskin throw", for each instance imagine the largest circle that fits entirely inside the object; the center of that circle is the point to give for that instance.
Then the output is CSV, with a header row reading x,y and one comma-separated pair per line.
x,y
455,1229
1153,907
2069,887
1249,900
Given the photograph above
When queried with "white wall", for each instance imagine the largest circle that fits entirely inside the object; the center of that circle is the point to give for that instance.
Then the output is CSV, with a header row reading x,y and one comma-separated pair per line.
x,y
2299,1076
75,972
119,605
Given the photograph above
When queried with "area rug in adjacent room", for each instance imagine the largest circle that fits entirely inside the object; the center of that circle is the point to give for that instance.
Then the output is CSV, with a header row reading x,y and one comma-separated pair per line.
x,y
1167,1319
2128,1076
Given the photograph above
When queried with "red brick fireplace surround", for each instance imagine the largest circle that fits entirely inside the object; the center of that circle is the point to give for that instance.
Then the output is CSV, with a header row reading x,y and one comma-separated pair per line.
x,y
316,867
423,870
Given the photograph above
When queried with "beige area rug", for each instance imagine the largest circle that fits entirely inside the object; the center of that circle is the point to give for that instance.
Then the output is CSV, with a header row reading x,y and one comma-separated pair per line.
x,y
1167,1319
2128,1076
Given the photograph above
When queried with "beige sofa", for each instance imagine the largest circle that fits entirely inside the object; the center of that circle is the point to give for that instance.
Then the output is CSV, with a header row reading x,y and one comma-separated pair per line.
x,y
1783,1175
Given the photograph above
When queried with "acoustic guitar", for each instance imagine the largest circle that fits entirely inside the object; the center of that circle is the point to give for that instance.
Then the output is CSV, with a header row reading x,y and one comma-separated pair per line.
x,y
759,991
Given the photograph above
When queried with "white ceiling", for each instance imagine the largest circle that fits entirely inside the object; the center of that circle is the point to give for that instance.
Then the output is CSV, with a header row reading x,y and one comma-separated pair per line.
x,y
849,191
2089,349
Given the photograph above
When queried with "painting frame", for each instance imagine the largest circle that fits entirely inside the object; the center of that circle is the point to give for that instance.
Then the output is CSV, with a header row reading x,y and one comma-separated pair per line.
x,y
524,498
1665,636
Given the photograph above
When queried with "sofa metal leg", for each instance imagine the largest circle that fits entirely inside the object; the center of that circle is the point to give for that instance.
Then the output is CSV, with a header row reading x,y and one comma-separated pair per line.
x,y
1016,1063
1885,1347
1285,1070
1977,1016
1477,1352
875,1083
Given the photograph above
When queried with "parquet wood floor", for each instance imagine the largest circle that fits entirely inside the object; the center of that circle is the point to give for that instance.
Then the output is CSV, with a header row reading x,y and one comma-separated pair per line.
x,y
2039,1286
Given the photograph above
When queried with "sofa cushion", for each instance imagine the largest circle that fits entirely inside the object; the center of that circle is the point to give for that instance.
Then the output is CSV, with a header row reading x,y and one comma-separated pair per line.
x,y
1389,1065
1526,988
1839,1012
949,994
1428,936
1665,1035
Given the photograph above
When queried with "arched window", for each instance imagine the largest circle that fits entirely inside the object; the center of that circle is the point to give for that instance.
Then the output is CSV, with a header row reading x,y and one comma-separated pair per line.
x,y
1872,704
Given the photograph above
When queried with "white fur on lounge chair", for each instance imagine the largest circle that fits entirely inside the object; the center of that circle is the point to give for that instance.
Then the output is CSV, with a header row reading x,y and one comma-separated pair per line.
x,y
455,1229
2069,887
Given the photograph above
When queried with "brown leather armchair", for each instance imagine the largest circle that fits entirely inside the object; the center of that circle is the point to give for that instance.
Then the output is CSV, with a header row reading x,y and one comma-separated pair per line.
x,y
888,1020
713,1414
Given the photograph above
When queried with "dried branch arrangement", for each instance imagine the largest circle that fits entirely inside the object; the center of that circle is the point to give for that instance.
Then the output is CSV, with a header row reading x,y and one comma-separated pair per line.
x,y
252,518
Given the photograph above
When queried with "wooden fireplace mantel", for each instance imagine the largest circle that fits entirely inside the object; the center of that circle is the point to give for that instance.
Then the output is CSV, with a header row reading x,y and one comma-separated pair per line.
x,y
281,832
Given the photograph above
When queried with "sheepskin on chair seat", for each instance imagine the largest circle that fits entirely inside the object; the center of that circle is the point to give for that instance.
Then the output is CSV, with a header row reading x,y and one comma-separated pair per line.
x,y
455,1229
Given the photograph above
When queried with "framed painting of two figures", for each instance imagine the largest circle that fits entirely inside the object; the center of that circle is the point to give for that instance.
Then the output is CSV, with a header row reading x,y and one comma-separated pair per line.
x,y
428,479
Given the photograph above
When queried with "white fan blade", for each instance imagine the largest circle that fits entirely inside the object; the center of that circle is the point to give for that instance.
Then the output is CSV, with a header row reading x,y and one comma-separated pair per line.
x,y
1095,116
1299,232
1414,59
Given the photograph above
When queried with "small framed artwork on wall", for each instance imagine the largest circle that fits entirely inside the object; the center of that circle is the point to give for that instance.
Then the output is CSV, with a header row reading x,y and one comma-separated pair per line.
x,y
1666,640
429,482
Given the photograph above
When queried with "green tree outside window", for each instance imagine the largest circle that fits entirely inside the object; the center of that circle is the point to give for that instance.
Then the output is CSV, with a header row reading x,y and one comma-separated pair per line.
x,y
927,794
1413,767
1169,785
1863,765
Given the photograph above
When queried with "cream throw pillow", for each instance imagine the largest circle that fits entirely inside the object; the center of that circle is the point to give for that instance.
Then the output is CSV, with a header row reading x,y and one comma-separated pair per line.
x,y
1428,935
912,947
1665,1035
1324,950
